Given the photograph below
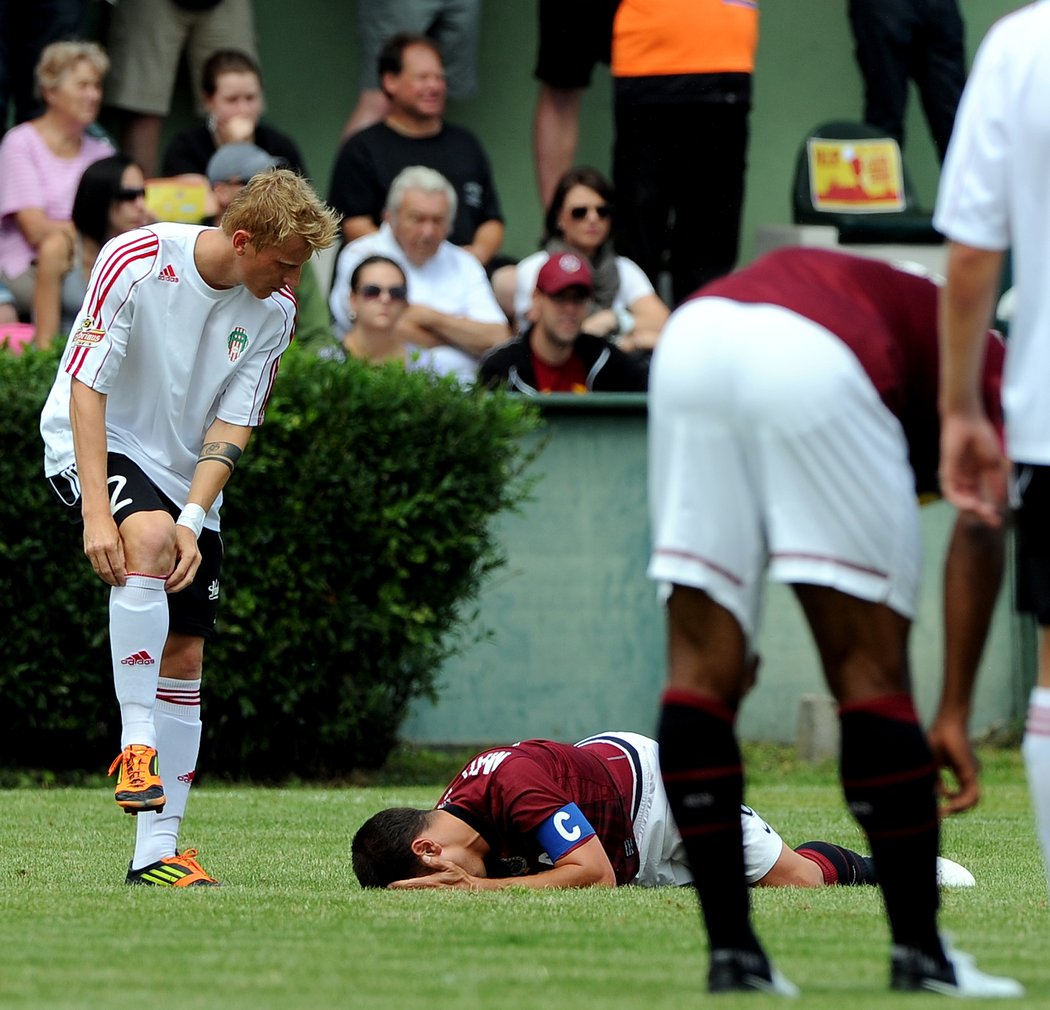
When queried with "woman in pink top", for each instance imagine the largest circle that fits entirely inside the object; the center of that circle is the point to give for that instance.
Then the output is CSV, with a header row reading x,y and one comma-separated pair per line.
x,y
41,161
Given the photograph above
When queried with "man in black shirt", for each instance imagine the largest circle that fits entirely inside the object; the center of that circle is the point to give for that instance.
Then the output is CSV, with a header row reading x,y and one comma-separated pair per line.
x,y
414,132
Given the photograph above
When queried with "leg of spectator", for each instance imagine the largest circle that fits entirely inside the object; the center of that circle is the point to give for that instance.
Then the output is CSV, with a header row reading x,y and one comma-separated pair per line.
x,y
882,33
555,136
941,71
372,106
706,183
642,151
140,140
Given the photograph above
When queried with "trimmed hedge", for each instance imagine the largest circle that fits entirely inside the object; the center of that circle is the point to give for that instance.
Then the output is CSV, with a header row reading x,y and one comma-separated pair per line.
x,y
357,532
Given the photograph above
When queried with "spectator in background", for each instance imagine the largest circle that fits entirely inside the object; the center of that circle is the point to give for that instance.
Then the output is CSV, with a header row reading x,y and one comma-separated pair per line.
x,y
682,82
414,132
110,199
231,89
26,29
452,24
229,170
625,309
917,39
554,355
146,40
574,36
41,161
378,299
8,312
453,310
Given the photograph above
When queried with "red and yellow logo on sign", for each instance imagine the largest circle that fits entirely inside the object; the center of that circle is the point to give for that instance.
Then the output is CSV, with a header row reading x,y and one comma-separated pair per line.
x,y
859,176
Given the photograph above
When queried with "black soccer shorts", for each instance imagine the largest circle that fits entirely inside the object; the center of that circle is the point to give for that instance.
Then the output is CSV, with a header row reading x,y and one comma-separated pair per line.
x,y
191,611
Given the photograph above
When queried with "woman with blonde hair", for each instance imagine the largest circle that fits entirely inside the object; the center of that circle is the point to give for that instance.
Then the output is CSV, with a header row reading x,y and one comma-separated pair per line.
x,y
41,161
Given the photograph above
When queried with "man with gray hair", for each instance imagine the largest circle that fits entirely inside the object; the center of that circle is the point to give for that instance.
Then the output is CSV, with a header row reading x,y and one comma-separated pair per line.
x,y
452,312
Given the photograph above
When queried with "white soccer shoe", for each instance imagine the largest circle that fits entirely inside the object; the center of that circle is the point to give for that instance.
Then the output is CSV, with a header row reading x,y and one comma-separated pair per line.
x,y
913,971
953,874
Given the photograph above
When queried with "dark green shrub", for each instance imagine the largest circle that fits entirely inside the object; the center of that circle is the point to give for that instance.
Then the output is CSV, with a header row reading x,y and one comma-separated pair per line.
x,y
357,533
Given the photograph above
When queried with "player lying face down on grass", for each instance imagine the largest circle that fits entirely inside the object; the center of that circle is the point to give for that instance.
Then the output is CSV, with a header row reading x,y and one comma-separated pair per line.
x,y
544,814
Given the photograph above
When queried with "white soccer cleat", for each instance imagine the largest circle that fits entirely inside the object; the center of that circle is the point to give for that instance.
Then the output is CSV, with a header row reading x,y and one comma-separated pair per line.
x,y
953,874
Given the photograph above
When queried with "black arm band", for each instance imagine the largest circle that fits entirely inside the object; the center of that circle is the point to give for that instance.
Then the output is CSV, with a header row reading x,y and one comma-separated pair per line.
x,y
220,452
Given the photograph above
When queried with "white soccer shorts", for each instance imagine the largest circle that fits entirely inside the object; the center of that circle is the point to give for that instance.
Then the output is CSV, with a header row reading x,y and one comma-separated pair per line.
x,y
769,448
661,853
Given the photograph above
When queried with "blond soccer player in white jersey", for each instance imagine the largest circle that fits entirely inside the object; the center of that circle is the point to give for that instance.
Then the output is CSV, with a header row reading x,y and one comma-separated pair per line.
x,y
165,374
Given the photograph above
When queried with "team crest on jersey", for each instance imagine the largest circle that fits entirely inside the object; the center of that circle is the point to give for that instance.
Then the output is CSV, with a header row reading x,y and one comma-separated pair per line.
x,y
88,334
236,342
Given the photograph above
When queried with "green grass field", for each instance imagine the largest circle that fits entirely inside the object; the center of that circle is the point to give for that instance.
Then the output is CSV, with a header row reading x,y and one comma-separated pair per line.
x,y
290,928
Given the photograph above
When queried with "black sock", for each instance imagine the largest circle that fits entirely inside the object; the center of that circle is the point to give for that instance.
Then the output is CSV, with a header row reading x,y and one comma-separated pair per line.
x,y
889,780
839,864
703,775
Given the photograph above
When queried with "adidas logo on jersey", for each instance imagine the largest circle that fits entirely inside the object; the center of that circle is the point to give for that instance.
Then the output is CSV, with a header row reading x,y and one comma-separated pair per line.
x,y
168,274
138,659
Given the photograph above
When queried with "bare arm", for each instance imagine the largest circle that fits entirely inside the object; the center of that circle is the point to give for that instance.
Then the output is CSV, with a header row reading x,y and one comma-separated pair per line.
x,y
54,259
972,463
972,576
355,227
585,866
467,334
209,478
35,225
102,543
487,240
650,314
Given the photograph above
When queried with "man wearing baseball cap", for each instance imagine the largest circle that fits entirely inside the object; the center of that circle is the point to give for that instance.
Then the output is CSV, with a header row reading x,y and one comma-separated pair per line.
x,y
232,166
552,355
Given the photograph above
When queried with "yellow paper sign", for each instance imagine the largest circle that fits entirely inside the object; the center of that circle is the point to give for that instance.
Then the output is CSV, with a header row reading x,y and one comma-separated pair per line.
x,y
855,176
179,198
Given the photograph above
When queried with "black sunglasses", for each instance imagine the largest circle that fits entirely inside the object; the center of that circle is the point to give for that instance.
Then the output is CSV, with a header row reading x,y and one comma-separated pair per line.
x,y
398,293
125,195
603,210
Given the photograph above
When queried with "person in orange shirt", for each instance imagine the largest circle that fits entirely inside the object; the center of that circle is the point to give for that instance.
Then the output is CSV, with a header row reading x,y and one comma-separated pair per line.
x,y
682,88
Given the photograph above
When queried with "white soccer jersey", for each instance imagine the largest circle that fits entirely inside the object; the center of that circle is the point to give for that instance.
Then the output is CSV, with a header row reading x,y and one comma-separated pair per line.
x,y
171,354
994,193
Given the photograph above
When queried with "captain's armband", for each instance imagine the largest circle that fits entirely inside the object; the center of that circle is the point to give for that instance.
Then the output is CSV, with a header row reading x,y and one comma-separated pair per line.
x,y
221,452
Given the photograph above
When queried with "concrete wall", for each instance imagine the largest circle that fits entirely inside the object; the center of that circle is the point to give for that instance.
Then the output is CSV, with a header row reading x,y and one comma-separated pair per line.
x,y
575,633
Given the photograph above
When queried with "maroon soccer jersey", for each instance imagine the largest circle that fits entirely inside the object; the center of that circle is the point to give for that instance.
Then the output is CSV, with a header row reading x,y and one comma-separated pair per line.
x,y
522,796
888,319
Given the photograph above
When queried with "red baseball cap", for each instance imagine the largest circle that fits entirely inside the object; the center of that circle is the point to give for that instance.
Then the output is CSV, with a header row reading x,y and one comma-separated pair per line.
x,y
561,271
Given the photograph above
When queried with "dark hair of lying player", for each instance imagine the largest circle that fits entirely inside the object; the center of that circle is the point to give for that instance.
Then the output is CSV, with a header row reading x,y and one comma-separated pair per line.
x,y
382,848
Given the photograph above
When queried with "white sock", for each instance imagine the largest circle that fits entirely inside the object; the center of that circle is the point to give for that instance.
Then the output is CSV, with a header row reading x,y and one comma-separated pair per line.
x,y
178,720
1036,751
138,629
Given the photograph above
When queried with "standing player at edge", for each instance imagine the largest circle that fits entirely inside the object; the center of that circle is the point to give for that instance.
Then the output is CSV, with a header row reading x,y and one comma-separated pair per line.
x,y
163,378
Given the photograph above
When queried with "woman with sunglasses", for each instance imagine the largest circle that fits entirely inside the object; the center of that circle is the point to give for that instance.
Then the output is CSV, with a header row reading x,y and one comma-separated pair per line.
x,y
110,199
378,298
625,308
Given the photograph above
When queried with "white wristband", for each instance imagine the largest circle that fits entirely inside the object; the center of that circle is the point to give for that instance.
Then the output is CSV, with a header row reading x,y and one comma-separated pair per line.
x,y
192,517
625,322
